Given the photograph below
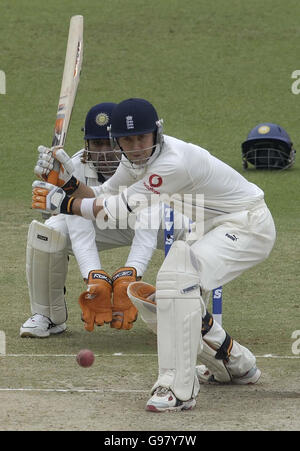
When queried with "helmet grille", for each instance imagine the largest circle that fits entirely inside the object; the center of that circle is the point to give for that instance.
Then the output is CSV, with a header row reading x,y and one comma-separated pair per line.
x,y
269,154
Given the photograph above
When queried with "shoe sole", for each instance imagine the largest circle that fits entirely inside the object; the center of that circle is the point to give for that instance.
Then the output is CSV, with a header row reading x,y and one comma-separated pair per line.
x,y
152,408
252,380
31,334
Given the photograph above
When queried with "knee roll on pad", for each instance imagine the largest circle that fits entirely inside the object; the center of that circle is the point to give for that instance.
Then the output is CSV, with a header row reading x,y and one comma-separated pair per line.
x,y
46,271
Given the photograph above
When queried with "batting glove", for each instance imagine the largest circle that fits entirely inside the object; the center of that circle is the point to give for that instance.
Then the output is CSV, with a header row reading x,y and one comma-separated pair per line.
x,y
49,198
48,160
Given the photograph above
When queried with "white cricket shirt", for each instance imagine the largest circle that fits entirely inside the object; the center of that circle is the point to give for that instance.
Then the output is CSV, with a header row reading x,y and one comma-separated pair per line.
x,y
205,186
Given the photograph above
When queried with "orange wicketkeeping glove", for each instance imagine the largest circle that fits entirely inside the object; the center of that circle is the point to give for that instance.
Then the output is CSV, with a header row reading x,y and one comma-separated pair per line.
x,y
124,312
95,303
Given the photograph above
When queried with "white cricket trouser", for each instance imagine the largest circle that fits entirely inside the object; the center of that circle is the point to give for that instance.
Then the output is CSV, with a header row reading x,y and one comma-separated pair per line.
x,y
232,244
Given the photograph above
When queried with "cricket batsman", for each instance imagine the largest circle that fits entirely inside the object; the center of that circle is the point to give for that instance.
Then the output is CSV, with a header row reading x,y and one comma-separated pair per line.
x,y
235,232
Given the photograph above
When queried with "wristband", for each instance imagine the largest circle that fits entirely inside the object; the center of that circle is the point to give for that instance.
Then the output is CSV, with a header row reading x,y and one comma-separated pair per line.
x,y
87,208
71,186
66,205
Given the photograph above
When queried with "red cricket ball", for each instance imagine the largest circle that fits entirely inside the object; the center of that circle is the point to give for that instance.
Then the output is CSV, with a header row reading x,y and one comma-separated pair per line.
x,y
85,358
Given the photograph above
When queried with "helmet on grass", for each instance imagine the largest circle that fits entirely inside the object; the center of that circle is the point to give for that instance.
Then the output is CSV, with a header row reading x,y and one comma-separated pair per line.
x,y
268,146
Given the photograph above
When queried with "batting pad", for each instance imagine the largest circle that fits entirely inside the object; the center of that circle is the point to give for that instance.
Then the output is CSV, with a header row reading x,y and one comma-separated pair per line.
x,y
46,271
179,320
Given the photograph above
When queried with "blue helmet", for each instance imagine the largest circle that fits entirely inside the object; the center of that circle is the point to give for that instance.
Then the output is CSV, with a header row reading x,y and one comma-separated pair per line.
x,y
133,117
136,116
97,120
268,146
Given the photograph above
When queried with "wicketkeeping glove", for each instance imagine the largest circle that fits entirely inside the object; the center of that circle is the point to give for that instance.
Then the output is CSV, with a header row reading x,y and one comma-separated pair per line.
x,y
46,162
49,198
124,312
95,303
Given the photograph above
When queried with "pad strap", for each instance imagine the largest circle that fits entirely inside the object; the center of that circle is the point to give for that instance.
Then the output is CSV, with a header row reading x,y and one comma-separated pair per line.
x,y
207,323
224,351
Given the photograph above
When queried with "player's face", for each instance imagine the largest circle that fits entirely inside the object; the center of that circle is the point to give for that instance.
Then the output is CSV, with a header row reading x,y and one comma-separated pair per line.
x,y
138,148
103,157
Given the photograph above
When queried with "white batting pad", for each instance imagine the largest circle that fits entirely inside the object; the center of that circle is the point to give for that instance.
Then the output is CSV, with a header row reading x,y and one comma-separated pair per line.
x,y
179,320
46,270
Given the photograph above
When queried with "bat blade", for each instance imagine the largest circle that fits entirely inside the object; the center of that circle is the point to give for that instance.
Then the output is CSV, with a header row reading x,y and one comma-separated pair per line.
x,y
69,85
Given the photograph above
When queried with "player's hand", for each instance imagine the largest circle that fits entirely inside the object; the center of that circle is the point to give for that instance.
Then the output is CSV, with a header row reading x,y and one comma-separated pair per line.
x,y
124,312
49,198
95,302
46,161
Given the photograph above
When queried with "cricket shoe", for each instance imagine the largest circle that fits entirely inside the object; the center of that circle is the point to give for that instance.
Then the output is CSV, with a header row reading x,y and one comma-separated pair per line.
x,y
251,377
164,400
39,326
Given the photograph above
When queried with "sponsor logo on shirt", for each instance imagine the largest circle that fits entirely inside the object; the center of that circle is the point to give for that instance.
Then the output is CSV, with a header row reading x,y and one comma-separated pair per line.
x,y
149,188
155,180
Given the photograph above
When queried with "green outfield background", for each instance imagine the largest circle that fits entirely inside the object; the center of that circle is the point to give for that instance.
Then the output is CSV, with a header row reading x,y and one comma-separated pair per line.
x,y
213,70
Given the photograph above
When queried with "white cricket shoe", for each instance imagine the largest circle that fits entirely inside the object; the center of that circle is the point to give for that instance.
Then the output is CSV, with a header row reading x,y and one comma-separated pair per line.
x,y
164,400
204,374
39,326
251,377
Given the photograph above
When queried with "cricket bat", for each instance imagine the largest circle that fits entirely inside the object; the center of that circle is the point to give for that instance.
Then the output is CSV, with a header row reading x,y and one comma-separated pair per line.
x,y
68,90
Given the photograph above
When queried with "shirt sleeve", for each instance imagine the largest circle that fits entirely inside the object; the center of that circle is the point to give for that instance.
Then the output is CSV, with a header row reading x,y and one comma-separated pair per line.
x,y
82,236
145,239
